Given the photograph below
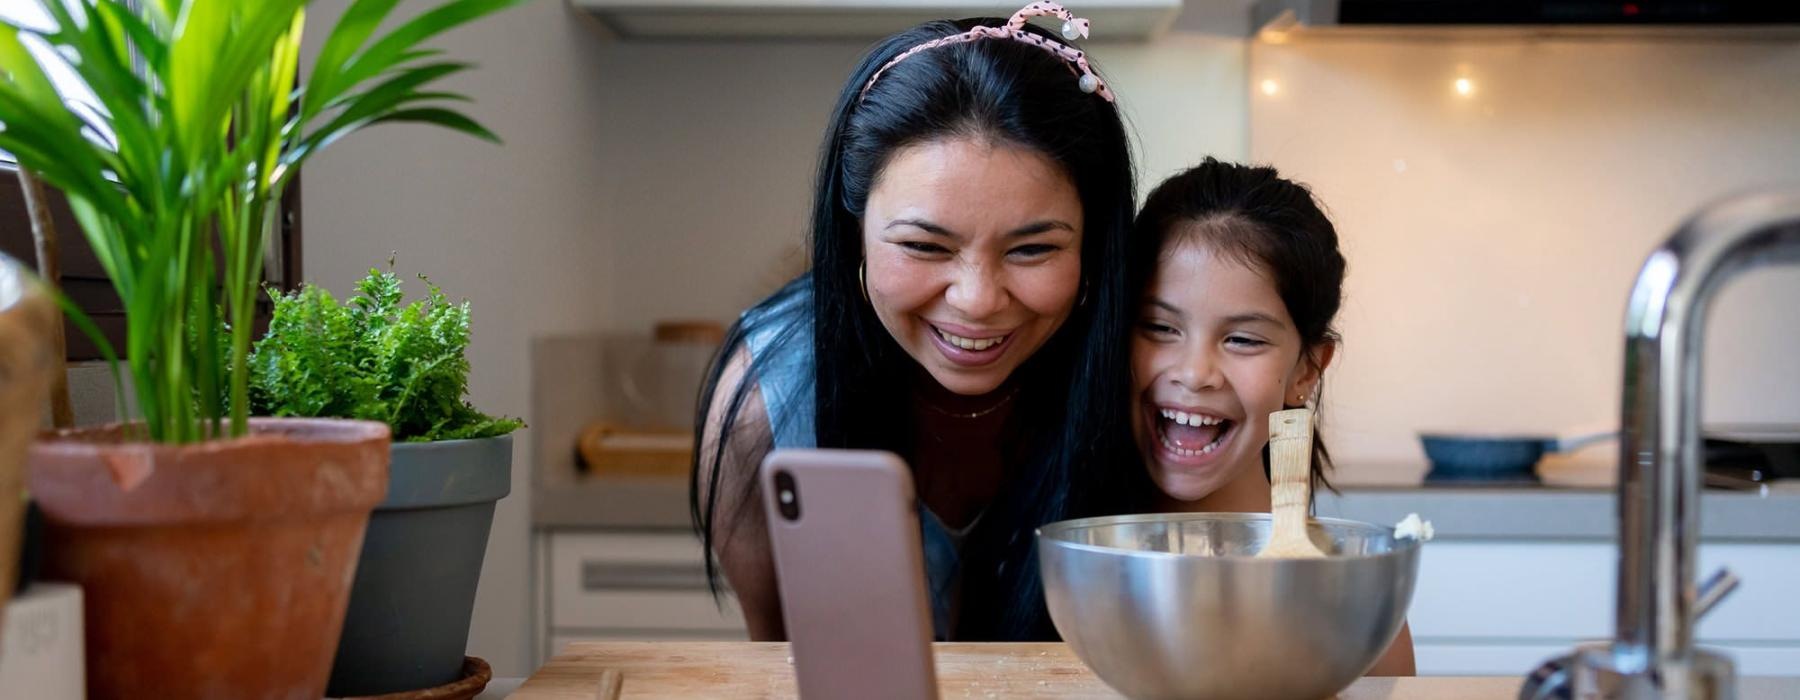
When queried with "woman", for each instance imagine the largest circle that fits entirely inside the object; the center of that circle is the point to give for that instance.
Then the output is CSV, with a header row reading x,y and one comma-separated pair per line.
x,y
963,310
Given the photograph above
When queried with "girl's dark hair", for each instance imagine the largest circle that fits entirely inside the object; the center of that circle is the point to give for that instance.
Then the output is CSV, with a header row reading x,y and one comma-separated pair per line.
x,y
1071,392
1253,215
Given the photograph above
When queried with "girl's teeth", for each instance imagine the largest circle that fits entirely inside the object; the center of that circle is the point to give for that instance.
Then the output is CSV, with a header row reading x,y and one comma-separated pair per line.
x,y
970,343
1193,419
1184,452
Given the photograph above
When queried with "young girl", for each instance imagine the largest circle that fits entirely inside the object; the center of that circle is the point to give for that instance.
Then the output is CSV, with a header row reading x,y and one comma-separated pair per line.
x,y
1241,279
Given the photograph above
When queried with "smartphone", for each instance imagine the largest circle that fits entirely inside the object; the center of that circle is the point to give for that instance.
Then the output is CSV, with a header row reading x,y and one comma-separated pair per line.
x,y
845,531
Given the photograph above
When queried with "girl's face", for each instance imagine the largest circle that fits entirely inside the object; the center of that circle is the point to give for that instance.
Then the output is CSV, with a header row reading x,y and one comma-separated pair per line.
x,y
1214,354
973,257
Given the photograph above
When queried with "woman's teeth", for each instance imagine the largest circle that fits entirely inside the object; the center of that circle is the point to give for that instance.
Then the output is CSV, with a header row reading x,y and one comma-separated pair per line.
x,y
969,343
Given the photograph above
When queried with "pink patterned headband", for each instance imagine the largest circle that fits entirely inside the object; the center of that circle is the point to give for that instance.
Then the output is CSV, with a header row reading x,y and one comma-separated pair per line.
x,y
1073,28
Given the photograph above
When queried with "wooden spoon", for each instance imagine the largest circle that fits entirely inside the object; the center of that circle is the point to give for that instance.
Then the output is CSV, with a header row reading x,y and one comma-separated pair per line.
x,y
1290,484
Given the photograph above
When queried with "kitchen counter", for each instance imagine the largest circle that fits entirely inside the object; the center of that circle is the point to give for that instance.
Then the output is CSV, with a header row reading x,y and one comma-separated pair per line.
x,y
1562,508
613,503
763,670
1550,512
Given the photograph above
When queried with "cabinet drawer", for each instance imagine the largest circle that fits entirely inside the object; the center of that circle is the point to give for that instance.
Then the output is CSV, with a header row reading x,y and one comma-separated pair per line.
x,y
1516,590
1477,659
1762,610
1470,659
1565,591
635,582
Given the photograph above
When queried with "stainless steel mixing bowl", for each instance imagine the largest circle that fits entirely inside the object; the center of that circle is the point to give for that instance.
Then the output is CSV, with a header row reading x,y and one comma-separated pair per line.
x,y
1177,605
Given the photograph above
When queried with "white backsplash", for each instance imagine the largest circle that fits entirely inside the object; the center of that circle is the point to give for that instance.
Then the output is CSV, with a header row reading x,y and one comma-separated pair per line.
x,y
1494,226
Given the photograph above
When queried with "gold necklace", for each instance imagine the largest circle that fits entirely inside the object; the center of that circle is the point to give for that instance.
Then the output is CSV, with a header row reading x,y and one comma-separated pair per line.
x,y
973,414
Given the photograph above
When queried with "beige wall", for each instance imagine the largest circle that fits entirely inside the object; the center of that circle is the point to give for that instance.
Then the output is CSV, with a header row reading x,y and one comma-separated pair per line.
x,y
641,181
521,230
717,144
1492,238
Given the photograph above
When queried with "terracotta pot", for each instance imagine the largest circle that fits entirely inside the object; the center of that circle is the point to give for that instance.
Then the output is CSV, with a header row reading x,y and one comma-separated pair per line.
x,y
214,570
27,318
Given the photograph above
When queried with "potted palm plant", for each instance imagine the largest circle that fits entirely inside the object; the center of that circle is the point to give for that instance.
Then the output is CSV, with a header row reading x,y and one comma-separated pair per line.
x,y
374,357
215,550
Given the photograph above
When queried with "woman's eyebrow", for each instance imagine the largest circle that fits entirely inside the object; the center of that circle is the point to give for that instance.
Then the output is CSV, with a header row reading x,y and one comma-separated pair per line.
x,y
922,225
1031,229
1037,227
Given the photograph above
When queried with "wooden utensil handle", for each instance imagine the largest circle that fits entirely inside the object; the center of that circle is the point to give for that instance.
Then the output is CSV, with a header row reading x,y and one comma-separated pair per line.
x,y
1290,495
1290,453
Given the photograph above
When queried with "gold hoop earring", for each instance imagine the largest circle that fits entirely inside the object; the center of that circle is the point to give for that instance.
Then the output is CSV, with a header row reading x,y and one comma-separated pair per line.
x,y
862,280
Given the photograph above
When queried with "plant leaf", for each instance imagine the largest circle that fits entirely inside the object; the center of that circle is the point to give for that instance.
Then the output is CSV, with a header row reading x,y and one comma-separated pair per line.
x,y
352,30
387,51
442,117
372,357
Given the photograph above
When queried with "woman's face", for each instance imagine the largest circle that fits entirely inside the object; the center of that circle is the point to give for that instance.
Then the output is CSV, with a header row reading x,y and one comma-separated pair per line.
x,y
973,257
1214,354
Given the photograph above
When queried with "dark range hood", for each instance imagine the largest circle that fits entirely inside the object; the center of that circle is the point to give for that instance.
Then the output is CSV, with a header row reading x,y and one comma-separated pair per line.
x,y
1630,18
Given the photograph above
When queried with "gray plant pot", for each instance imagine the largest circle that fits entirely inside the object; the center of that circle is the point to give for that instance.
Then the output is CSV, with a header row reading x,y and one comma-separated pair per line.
x,y
408,623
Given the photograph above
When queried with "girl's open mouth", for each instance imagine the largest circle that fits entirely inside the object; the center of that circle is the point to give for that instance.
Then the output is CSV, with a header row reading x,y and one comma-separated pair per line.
x,y
1191,436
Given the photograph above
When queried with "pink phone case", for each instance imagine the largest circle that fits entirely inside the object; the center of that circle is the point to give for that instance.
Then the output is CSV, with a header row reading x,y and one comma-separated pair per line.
x,y
846,538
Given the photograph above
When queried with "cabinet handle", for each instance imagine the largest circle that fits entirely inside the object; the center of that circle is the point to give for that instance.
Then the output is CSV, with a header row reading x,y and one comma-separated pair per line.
x,y
636,576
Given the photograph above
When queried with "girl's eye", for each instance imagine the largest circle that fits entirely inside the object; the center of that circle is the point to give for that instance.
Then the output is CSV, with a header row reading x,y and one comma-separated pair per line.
x,y
1033,251
1155,328
1246,343
925,248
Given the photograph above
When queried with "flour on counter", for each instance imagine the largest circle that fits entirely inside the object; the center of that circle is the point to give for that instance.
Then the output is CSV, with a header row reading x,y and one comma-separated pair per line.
x,y
1414,527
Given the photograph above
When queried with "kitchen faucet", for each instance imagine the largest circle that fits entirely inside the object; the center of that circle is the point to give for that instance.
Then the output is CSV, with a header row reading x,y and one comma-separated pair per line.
x,y
1652,654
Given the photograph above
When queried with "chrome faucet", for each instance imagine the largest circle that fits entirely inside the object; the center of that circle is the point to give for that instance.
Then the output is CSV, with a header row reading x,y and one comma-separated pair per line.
x,y
1652,654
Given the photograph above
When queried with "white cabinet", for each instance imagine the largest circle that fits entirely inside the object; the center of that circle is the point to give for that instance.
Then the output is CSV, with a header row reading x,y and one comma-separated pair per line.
x,y
1483,606
620,585
1501,607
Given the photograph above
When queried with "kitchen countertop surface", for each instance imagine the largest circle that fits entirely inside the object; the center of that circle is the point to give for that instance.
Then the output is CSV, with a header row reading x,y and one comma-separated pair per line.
x,y
763,670
1572,503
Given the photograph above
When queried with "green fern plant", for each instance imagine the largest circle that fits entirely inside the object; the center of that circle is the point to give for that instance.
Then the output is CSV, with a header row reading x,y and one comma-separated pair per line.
x,y
199,129
372,357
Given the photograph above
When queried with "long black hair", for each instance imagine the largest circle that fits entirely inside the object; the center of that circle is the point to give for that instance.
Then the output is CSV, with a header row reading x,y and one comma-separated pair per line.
x,y
1253,215
1069,413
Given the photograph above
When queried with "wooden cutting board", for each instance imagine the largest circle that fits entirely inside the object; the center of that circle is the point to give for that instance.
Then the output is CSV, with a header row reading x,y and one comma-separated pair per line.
x,y
965,670
606,449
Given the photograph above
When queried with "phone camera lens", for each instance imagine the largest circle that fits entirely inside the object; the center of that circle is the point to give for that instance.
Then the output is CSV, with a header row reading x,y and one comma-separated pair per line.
x,y
787,496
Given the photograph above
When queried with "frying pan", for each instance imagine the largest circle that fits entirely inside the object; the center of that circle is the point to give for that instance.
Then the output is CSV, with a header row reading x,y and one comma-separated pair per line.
x,y
1483,457
1773,450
